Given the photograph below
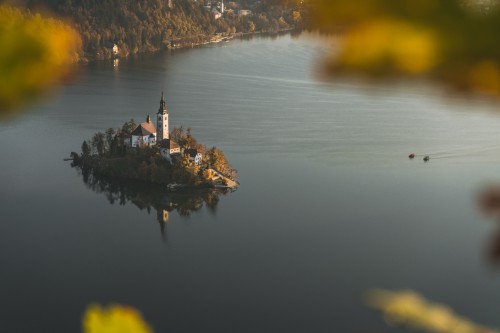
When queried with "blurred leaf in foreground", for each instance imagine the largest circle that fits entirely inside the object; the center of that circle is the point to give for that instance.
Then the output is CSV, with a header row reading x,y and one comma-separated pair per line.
x,y
451,41
35,54
114,319
407,308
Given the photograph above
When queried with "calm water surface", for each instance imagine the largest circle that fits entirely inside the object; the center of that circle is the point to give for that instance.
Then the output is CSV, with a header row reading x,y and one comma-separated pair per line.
x,y
329,205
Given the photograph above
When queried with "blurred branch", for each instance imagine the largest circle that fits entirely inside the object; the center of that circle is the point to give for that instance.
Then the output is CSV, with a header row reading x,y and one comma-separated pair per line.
x,y
450,41
35,54
407,308
114,319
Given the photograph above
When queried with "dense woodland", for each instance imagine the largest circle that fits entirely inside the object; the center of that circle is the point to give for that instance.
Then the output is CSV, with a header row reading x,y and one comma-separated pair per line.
x,y
149,25
106,155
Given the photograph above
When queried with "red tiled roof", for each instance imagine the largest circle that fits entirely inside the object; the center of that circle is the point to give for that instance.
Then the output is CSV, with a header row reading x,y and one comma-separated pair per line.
x,y
174,145
144,129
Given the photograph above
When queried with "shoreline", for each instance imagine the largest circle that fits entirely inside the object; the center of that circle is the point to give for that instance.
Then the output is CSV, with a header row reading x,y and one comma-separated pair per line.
x,y
187,42
217,38
170,187
221,183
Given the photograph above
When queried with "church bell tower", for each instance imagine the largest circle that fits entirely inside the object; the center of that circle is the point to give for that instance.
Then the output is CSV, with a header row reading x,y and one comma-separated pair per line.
x,y
162,130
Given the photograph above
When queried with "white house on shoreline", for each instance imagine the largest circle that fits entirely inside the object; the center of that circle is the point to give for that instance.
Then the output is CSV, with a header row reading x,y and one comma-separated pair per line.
x,y
147,134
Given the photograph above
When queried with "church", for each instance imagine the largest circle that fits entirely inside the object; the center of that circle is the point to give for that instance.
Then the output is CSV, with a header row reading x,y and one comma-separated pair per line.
x,y
147,134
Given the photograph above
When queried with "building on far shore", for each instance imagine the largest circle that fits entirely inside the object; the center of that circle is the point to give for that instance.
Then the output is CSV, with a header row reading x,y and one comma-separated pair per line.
x,y
216,14
244,12
113,48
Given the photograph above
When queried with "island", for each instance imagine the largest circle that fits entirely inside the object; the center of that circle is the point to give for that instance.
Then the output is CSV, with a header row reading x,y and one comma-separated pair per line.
x,y
155,154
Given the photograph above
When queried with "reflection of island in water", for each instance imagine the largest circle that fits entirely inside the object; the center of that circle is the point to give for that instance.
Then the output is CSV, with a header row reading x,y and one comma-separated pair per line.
x,y
147,196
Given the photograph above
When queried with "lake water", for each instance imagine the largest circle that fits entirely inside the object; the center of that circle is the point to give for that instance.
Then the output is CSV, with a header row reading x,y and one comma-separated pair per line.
x,y
329,204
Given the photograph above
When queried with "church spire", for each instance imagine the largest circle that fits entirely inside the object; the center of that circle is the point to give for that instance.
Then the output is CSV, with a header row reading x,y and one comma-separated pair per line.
x,y
163,106
162,131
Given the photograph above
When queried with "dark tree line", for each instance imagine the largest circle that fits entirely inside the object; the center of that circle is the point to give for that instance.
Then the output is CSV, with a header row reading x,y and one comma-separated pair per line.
x,y
148,25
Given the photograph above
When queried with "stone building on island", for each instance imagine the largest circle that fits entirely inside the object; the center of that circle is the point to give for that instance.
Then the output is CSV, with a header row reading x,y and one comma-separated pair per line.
x,y
144,134
147,134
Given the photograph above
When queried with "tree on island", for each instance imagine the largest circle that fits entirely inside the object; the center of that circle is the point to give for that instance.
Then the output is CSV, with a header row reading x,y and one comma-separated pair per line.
x,y
217,160
128,127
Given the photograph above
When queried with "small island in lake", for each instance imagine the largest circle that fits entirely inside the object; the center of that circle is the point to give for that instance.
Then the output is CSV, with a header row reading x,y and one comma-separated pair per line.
x,y
155,155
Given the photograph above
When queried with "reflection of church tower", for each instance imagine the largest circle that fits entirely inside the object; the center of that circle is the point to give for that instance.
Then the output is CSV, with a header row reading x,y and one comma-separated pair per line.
x,y
162,216
162,122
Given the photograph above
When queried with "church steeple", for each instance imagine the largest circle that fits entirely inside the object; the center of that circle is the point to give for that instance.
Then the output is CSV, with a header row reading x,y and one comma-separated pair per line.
x,y
162,130
163,106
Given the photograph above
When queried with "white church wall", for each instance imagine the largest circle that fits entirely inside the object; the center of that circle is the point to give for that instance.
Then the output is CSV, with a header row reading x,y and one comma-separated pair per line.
x,y
138,140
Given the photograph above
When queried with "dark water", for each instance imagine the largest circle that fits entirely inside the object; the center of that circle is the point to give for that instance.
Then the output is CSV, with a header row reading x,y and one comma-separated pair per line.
x,y
329,205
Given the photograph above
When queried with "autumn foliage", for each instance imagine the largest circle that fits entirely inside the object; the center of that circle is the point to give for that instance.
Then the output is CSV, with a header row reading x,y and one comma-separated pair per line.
x,y
452,41
114,319
35,54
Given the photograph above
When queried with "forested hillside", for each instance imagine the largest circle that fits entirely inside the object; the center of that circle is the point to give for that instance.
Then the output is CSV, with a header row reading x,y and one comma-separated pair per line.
x,y
148,25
